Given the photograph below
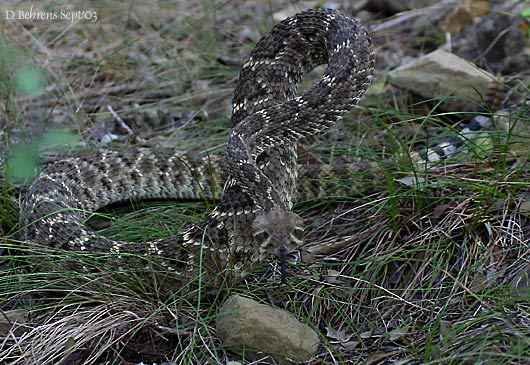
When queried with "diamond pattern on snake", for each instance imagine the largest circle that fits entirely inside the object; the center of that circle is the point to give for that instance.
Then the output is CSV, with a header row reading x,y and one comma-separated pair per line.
x,y
257,174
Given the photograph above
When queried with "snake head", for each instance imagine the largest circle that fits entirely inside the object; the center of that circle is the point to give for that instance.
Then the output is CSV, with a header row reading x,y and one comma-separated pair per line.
x,y
279,231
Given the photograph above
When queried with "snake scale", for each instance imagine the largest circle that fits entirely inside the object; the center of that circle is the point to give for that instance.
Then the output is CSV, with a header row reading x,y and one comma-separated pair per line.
x,y
253,218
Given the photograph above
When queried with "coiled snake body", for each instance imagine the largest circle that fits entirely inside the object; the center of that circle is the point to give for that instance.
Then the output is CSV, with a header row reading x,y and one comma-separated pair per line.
x,y
253,218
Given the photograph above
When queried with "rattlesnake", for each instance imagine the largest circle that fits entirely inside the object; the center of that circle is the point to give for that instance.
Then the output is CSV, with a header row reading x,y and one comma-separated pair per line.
x,y
253,218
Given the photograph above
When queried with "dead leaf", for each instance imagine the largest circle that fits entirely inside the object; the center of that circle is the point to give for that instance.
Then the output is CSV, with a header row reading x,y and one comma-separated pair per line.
x,y
403,361
396,334
417,181
333,277
478,283
478,7
445,328
366,334
339,336
378,356
440,210
457,20
350,345
465,15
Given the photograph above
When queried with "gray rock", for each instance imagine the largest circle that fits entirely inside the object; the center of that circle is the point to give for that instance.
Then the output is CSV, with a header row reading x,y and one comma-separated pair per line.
x,y
12,323
440,74
292,9
520,284
247,328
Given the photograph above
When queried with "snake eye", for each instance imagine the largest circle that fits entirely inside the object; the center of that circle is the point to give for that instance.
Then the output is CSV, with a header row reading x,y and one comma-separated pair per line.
x,y
298,234
297,230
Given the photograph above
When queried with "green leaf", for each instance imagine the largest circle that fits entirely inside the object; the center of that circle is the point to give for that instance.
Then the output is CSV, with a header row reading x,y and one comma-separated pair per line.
x,y
69,345
58,138
526,12
29,80
378,86
397,333
482,145
7,54
21,163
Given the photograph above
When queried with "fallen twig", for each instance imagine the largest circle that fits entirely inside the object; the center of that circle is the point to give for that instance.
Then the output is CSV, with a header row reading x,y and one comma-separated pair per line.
x,y
124,125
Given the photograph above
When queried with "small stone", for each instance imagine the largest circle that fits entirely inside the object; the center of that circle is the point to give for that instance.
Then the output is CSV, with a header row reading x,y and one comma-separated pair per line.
x,y
12,323
250,34
440,74
247,328
109,137
520,284
293,9
524,208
